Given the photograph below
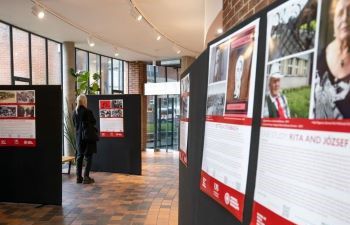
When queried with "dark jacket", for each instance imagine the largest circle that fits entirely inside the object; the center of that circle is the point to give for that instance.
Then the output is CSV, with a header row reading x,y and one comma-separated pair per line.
x,y
86,117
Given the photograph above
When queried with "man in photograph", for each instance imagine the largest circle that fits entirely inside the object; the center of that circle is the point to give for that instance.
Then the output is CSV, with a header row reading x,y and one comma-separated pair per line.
x,y
276,105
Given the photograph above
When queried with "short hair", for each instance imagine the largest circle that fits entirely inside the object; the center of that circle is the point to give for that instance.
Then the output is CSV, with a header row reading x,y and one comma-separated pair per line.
x,y
81,101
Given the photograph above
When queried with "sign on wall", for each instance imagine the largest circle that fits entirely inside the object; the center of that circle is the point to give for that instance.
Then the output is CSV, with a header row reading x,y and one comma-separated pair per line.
x,y
304,153
111,118
184,117
17,118
230,97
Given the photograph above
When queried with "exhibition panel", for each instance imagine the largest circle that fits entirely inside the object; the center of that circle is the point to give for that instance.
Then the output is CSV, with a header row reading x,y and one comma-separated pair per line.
x,y
30,164
119,123
184,115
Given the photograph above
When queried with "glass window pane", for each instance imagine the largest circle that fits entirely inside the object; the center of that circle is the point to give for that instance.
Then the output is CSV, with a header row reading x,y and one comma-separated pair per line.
x,y
81,60
54,61
20,53
150,121
5,60
150,73
117,75
106,75
172,74
94,66
38,60
126,77
17,82
160,74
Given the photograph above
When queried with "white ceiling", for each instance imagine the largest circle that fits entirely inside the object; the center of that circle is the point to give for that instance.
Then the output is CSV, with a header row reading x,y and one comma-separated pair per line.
x,y
110,21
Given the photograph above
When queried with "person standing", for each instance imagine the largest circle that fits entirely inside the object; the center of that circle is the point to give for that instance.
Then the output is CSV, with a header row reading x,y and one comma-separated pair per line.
x,y
83,117
276,104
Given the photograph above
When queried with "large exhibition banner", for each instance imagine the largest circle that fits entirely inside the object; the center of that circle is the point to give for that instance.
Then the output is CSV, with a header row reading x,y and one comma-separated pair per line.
x,y
230,97
111,118
17,118
184,116
303,174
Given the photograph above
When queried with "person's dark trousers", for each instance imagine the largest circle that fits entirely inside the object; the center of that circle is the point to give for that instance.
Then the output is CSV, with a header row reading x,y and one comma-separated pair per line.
x,y
80,157
88,158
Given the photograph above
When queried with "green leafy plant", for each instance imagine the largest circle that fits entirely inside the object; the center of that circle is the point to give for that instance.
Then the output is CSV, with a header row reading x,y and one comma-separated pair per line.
x,y
83,82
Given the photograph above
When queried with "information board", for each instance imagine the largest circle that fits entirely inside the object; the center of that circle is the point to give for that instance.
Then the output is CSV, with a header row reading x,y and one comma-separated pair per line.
x,y
304,149
17,118
184,116
111,118
230,97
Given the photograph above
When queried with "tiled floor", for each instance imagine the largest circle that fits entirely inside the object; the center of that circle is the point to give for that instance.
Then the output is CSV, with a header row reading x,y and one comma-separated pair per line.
x,y
150,199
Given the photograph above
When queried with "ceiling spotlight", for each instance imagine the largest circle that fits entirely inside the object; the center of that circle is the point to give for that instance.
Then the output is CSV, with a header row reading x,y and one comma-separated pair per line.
x,y
90,42
139,18
136,14
178,51
159,37
219,31
38,11
116,52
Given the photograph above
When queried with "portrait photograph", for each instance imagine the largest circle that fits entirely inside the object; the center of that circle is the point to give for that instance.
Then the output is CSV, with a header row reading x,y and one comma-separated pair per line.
x,y
240,64
218,62
215,105
331,90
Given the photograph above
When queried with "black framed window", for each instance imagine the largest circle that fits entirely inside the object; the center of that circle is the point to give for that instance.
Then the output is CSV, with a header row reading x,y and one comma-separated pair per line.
x,y
27,58
112,70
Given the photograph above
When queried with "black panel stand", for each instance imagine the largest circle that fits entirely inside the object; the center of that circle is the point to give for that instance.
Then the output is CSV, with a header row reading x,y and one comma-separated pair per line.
x,y
119,155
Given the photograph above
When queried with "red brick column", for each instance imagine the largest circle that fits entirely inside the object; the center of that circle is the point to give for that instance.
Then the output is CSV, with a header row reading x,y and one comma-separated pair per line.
x,y
137,78
235,11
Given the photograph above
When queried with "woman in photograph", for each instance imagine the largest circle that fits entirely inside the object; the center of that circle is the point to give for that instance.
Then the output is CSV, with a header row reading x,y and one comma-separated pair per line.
x,y
332,86
83,117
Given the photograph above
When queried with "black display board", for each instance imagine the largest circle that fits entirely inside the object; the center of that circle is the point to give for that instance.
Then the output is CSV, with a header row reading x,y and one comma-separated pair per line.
x,y
33,175
119,155
195,207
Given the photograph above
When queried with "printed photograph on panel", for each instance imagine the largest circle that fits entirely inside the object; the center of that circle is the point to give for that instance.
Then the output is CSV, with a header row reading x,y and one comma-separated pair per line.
x,y
185,98
116,113
331,94
291,28
105,113
26,111
240,63
26,96
117,103
8,111
215,104
288,88
8,97
218,63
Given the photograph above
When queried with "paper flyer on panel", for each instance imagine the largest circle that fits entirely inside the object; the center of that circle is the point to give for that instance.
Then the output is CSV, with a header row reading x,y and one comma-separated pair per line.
x,y
17,118
230,98
111,118
184,116
304,149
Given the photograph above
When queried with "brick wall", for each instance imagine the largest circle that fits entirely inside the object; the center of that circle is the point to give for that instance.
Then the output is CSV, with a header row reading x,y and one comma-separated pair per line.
x,y
235,11
137,78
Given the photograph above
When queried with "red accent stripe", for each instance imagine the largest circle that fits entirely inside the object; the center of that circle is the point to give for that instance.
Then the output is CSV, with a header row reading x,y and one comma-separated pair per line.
x,y
231,120
18,142
307,124
183,157
17,103
112,134
229,198
185,119
262,215
17,118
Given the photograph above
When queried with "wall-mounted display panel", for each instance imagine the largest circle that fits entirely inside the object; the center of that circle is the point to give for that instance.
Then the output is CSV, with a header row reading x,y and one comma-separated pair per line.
x,y
184,117
17,118
111,114
304,158
230,97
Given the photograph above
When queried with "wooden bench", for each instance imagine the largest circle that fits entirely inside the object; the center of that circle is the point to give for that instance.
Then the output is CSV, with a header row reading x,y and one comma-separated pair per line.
x,y
68,159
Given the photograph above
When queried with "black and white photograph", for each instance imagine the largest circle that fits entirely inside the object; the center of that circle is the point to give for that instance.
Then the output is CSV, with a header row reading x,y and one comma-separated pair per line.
x,y
218,62
105,113
215,105
26,96
26,111
117,104
117,113
8,111
291,28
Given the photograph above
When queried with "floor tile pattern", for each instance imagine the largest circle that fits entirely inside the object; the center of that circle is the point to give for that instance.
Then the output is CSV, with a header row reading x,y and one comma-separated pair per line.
x,y
150,199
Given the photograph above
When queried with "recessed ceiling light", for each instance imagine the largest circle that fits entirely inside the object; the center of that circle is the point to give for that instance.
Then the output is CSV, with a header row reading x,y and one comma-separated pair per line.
x,y
219,31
